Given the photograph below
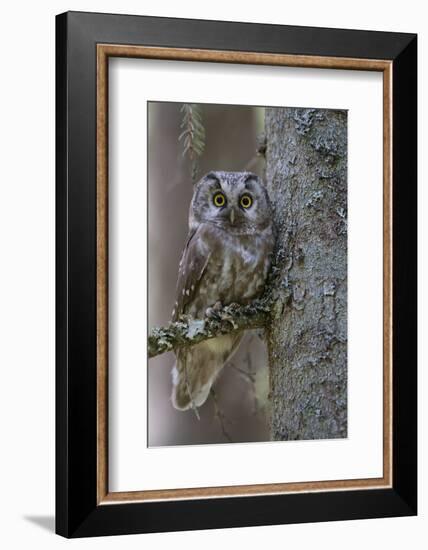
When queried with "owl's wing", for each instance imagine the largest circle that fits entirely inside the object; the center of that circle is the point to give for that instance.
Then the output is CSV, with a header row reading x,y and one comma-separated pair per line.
x,y
193,264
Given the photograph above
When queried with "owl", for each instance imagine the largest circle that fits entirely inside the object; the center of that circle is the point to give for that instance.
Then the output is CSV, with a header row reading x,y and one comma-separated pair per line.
x,y
225,260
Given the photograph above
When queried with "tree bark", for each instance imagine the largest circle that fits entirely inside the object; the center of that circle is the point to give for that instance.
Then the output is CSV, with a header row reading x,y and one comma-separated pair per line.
x,y
306,175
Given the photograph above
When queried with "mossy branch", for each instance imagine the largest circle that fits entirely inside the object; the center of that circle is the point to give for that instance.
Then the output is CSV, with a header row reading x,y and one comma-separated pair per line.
x,y
189,331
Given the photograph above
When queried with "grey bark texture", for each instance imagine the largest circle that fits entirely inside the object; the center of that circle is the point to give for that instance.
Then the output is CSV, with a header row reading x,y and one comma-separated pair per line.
x,y
306,175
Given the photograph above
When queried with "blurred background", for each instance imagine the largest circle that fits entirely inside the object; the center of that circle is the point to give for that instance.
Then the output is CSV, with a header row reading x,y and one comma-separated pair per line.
x,y
230,142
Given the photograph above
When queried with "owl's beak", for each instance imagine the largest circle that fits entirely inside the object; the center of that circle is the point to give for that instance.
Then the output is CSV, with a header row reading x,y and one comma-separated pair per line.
x,y
232,216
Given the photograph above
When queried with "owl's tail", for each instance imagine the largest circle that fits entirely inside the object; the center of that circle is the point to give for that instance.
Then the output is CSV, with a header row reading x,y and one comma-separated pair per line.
x,y
192,380
197,368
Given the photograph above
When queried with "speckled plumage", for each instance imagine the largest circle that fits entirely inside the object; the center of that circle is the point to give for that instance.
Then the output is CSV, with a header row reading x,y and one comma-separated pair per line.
x,y
226,259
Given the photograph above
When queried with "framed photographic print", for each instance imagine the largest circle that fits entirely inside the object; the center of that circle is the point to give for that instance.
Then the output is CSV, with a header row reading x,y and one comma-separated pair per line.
x,y
236,274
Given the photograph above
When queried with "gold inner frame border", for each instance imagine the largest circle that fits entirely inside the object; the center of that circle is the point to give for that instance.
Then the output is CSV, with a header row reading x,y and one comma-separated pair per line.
x,y
104,52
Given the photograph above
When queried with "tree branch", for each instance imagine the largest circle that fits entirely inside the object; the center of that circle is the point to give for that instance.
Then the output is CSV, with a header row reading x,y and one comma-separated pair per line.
x,y
188,331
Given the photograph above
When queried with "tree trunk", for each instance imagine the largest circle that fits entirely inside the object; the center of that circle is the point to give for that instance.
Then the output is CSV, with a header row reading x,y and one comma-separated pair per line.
x,y
306,174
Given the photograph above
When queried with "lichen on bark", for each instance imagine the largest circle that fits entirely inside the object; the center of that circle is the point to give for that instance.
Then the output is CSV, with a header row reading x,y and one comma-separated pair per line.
x,y
189,331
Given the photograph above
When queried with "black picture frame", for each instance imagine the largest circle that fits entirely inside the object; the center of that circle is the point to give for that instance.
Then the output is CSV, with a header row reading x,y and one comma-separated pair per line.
x,y
77,511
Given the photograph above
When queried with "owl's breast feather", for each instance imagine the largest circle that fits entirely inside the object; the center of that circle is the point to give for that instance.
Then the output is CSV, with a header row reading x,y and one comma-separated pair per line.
x,y
238,268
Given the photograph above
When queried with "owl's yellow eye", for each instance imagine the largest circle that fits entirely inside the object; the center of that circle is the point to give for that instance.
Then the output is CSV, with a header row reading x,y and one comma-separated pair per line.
x,y
219,200
246,201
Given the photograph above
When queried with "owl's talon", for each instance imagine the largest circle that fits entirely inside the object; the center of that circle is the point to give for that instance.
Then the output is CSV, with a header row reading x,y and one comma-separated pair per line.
x,y
213,311
233,307
210,313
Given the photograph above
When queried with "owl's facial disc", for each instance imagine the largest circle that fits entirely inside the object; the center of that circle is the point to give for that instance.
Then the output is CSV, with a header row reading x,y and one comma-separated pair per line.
x,y
235,201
